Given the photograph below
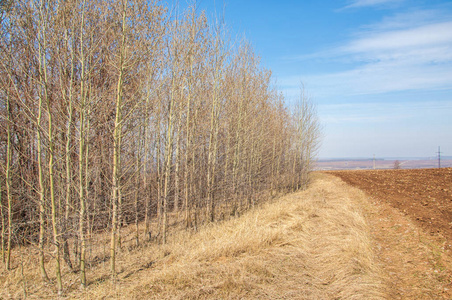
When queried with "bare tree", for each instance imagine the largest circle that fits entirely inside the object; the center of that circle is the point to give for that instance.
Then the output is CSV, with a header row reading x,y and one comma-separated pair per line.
x,y
110,106
307,138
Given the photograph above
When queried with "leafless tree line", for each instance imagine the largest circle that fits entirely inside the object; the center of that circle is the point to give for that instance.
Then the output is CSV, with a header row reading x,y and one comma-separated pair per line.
x,y
119,112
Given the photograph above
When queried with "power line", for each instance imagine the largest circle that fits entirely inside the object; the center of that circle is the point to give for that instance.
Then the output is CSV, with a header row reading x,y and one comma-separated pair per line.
x,y
439,157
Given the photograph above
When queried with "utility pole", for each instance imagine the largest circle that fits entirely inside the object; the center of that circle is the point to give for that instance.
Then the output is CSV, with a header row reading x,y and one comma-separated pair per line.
x,y
439,157
374,161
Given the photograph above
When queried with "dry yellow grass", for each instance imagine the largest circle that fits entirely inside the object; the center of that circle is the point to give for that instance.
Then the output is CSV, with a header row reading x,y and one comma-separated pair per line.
x,y
308,245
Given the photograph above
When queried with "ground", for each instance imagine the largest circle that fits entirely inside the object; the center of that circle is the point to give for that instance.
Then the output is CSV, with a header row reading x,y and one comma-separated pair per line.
x,y
425,195
410,217
369,235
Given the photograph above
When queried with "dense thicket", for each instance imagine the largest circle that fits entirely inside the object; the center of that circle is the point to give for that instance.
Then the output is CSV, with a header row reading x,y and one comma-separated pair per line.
x,y
119,112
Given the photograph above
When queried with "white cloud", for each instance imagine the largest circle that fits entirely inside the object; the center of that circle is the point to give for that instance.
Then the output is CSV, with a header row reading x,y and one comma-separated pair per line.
x,y
364,3
382,77
391,94
410,19
417,57
423,36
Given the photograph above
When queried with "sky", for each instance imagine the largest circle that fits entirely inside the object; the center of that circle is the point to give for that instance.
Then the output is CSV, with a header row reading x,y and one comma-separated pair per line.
x,y
379,71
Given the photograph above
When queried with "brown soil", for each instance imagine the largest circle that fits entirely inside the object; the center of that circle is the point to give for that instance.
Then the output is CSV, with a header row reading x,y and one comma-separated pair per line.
x,y
423,194
411,224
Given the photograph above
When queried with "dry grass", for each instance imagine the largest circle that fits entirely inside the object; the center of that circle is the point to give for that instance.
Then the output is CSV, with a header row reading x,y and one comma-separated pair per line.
x,y
309,245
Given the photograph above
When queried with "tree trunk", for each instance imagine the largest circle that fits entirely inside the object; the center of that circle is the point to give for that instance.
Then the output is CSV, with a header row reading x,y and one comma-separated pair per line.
x,y
117,136
9,184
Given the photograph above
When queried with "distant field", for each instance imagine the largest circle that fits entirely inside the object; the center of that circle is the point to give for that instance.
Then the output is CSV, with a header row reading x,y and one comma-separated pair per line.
x,y
342,164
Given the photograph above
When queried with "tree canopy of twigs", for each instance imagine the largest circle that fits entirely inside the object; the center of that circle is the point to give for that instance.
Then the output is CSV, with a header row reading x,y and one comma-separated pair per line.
x,y
121,112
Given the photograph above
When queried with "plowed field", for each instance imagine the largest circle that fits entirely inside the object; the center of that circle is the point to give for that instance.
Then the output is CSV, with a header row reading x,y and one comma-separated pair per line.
x,y
425,195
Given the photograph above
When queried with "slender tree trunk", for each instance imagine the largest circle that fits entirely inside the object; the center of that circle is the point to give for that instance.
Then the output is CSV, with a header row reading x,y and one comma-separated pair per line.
x,y
188,148
89,221
226,190
137,187
68,160
52,191
213,144
44,97
81,187
66,254
193,188
120,208
159,175
186,172
44,275
210,165
9,183
273,162
176,170
168,159
147,200
236,161
3,225
117,136
116,183
53,204
81,154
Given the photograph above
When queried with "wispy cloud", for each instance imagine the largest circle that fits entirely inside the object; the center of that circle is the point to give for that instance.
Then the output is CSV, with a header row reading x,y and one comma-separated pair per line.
x,y
382,77
364,3
396,55
410,19
427,36
386,89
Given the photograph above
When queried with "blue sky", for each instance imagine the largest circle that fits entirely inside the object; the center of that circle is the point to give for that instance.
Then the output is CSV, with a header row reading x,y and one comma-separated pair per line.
x,y
380,71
